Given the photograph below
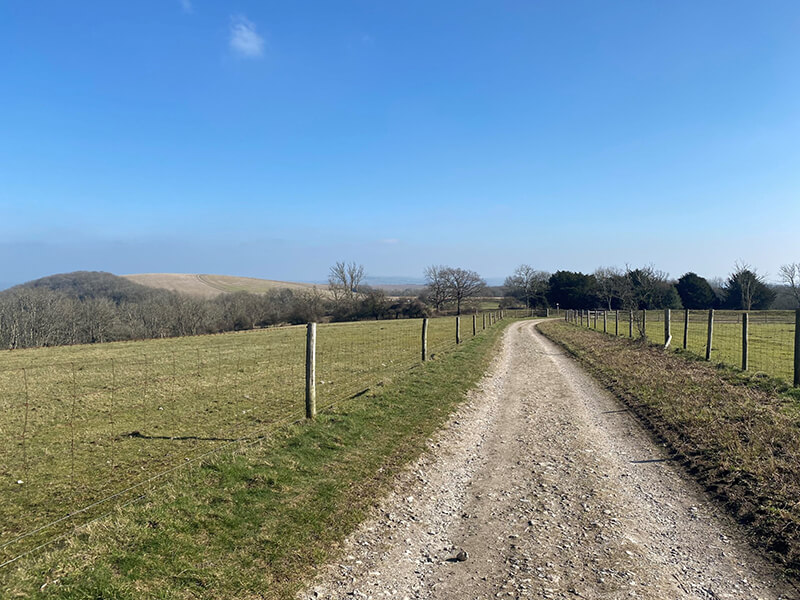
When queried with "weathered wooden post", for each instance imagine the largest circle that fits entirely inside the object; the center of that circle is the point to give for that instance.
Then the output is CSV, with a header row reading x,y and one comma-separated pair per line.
x,y
424,339
685,329
616,323
474,325
797,348
484,320
644,323
745,319
710,338
547,312
605,322
667,328
458,330
311,370
594,314
630,323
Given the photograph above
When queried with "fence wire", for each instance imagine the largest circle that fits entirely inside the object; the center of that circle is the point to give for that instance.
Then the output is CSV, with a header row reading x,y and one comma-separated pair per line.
x,y
769,335
86,428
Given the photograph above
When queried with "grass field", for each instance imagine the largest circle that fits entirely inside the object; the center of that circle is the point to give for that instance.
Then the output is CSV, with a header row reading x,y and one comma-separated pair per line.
x,y
256,522
770,335
208,286
80,424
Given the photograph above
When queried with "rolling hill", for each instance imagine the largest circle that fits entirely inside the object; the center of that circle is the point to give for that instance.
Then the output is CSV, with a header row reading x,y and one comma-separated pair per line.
x,y
208,286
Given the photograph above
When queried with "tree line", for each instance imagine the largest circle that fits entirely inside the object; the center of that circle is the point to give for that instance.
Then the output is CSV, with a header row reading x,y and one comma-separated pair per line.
x,y
94,307
643,288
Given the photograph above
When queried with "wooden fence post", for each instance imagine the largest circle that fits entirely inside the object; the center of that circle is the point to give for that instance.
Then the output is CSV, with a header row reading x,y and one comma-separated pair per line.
x,y
797,348
616,323
594,314
484,320
605,322
667,328
424,339
458,330
474,325
745,319
630,323
710,338
547,312
644,323
311,370
685,329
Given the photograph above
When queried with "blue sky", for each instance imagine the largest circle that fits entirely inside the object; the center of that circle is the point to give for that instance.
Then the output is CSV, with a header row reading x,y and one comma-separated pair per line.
x,y
272,139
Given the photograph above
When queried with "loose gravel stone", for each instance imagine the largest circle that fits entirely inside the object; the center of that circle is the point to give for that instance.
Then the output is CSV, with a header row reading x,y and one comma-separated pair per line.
x,y
552,490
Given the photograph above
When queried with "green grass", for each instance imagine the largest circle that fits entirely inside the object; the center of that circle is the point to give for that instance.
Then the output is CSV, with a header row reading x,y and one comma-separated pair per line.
x,y
770,335
739,434
255,522
79,424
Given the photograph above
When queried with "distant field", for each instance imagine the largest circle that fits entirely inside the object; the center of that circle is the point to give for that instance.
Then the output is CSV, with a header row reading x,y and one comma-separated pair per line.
x,y
208,286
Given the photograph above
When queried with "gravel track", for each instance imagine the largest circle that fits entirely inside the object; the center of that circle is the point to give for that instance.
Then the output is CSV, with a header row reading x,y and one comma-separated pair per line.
x,y
553,490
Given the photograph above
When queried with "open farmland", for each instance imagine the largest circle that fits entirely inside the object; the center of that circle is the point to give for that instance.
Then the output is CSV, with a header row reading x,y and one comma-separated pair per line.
x,y
209,286
87,427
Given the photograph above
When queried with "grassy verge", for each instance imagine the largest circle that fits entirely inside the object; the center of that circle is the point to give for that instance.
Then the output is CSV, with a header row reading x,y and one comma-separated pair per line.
x,y
771,336
736,434
253,524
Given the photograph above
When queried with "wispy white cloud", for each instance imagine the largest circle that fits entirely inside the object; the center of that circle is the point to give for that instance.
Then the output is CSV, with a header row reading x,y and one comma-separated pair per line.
x,y
245,41
187,7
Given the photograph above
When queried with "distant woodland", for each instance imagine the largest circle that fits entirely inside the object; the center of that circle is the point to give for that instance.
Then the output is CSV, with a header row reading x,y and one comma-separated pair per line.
x,y
95,307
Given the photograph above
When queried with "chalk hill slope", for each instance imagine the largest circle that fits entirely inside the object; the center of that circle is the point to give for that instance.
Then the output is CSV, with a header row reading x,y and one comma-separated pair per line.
x,y
208,286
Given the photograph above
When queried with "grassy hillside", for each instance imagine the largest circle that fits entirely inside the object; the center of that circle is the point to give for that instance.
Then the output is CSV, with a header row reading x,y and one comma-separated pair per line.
x,y
209,286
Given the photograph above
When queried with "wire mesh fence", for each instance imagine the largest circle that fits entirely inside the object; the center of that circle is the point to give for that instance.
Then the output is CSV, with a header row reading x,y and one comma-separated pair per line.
x,y
758,341
83,429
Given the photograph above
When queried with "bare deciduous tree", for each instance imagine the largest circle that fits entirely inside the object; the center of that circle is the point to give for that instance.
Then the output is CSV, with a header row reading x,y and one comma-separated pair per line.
x,y
790,277
527,284
438,291
463,284
609,284
345,280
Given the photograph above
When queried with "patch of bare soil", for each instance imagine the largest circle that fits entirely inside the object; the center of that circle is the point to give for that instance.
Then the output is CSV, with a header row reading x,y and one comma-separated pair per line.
x,y
544,486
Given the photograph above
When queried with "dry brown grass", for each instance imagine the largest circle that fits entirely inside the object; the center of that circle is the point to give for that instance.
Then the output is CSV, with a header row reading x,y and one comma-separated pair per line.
x,y
209,286
738,439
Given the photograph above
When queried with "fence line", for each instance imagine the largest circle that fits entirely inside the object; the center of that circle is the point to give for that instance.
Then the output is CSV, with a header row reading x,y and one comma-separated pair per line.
x,y
758,341
90,433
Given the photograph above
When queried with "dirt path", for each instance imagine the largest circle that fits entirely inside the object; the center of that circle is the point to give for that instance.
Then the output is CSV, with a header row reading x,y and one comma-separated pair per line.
x,y
553,491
